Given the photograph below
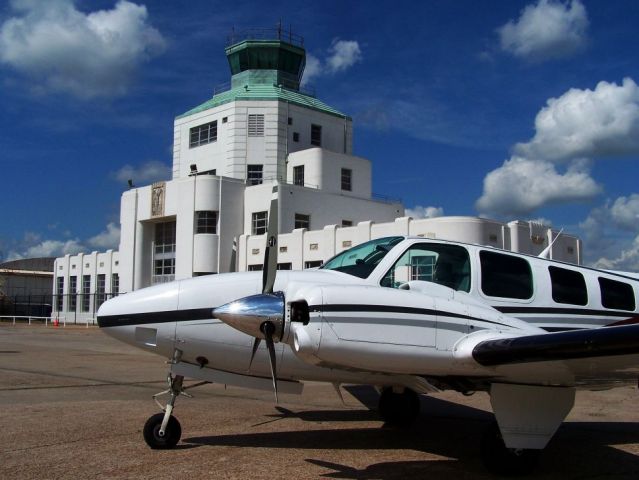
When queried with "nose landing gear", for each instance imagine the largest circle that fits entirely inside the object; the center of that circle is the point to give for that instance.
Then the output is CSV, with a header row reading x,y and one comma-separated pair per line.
x,y
163,430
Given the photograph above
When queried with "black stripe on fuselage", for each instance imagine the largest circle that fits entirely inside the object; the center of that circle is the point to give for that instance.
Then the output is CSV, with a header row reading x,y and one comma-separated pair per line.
x,y
155,317
394,309
561,311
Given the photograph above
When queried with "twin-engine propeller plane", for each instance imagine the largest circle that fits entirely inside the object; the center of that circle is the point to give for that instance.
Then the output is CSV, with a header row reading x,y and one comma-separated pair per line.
x,y
407,315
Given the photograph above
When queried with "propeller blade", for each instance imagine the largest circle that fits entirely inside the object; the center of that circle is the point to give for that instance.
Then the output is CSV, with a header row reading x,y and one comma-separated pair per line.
x,y
256,344
270,252
268,336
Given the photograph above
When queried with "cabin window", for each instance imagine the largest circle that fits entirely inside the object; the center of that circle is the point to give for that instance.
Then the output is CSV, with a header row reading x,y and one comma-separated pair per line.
x,y
616,295
568,286
360,261
447,265
505,276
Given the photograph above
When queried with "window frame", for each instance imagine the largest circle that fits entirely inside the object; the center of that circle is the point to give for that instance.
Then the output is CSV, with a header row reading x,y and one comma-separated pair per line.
x,y
210,134
559,285
346,176
298,175
252,170
514,258
301,219
257,218
630,291
316,135
206,222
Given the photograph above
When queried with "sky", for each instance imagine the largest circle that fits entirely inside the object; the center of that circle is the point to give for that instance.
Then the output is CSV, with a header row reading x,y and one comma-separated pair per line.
x,y
504,109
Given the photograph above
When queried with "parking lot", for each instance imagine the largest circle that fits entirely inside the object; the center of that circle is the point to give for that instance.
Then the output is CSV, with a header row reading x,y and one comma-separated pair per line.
x,y
74,402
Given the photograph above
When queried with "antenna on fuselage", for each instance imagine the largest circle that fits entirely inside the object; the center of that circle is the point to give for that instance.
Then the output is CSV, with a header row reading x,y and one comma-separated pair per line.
x,y
546,251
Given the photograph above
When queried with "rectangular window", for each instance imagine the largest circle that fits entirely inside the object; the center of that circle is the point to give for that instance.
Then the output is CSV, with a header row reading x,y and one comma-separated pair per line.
x,y
259,223
254,174
164,266
165,237
302,221
73,289
290,120
59,290
100,290
347,223
296,137
347,178
255,268
568,286
206,221
256,125
505,276
298,175
203,134
115,284
616,295
313,264
316,135
285,266
86,292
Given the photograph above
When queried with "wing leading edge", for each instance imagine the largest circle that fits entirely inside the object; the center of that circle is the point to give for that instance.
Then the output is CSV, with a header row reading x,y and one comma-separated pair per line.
x,y
577,344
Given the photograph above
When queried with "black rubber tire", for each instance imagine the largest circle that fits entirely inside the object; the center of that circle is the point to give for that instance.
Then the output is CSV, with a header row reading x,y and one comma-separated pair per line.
x,y
171,435
399,409
506,461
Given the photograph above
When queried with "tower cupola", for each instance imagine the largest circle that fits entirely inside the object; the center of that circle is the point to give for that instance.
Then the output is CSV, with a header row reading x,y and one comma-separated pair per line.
x,y
266,56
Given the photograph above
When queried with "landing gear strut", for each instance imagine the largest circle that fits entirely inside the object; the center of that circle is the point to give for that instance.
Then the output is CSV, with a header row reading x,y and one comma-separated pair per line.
x,y
162,430
502,460
399,408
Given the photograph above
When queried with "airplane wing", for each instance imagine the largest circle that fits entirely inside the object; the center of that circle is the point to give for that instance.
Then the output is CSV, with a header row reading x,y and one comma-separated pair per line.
x,y
577,344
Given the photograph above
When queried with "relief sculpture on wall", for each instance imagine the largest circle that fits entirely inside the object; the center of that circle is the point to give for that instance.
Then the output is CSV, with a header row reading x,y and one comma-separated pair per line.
x,y
158,195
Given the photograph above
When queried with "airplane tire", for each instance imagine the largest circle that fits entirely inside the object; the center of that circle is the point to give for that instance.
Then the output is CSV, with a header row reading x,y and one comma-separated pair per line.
x,y
171,435
399,409
501,460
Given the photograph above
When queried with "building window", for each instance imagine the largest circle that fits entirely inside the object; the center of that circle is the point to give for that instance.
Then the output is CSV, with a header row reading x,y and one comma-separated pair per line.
x,y
616,295
302,221
254,174
256,125
225,119
203,134
298,175
347,223
255,268
115,284
316,135
285,266
347,179
259,223
100,290
206,221
164,253
568,286
164,266
296,136
313,264
505,276
59,290
73,289
86,293
290,120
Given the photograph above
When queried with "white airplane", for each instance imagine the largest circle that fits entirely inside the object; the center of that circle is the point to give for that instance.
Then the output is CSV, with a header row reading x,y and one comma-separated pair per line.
x,y
407,315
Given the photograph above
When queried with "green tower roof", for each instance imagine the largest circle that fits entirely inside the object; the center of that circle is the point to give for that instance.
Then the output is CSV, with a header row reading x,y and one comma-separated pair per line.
x,y
266,65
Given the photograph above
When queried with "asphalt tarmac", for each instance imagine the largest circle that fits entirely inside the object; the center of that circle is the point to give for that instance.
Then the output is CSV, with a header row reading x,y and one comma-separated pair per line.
x,y
73,403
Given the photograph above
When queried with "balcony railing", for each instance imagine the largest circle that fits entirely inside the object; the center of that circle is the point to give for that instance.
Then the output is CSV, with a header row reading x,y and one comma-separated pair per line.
x,y
275,33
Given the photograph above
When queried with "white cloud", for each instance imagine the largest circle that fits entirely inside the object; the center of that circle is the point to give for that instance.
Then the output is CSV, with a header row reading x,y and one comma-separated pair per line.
x,y
341,56
151,171
546,30
587,123
84,54
627,260
48,248
344,54
424,212
108,239
521,185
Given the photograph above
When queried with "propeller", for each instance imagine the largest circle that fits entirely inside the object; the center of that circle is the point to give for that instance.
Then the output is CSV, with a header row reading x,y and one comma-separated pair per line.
x,y
261,316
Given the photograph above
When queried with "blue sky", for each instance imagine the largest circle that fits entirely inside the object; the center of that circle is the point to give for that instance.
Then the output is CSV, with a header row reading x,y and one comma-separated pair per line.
x,y
505,109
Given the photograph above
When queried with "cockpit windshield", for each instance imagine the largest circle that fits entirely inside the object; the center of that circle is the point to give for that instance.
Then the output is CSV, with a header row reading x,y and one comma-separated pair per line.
x,y
361,260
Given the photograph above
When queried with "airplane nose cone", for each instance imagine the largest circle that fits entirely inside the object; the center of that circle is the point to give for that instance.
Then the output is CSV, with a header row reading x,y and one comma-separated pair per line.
x,y
249,313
